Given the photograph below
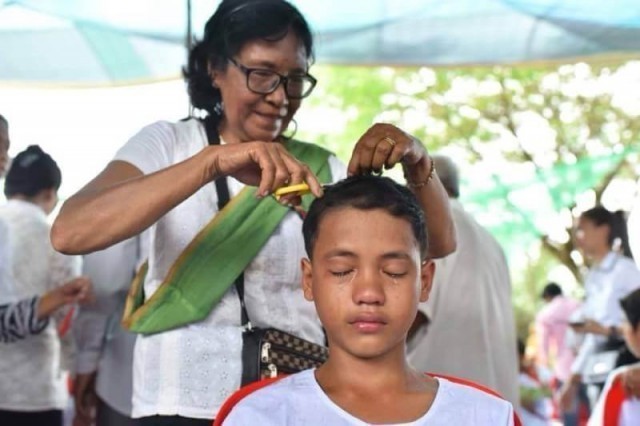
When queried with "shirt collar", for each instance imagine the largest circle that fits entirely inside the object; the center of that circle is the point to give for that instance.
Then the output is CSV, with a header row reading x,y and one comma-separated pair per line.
x,y
27,207
608,262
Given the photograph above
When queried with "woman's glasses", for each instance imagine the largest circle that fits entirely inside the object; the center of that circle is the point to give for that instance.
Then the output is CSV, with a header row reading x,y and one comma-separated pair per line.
x,y
264,81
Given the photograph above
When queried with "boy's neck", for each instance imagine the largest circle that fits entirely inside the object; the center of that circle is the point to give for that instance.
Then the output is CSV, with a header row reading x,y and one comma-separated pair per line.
x,y
388,372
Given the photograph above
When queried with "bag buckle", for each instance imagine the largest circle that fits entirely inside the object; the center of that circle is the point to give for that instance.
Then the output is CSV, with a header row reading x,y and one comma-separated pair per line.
x,y
264,352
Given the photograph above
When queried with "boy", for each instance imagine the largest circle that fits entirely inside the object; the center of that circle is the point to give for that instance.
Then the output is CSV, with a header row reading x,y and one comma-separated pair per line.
x,y
626,411
366,273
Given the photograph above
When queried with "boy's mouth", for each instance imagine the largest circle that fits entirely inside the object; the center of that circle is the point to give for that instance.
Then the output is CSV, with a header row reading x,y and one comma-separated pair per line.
x,y
368,322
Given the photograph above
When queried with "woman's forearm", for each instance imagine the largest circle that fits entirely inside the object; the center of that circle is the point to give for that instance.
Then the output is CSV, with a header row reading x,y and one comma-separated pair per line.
x,y
121,203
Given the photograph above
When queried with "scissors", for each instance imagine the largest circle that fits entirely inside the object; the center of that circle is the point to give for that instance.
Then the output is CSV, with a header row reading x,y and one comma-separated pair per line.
x,y
298,190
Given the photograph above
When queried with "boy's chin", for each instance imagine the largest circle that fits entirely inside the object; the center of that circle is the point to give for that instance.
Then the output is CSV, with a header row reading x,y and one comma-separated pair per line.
x,y
370,351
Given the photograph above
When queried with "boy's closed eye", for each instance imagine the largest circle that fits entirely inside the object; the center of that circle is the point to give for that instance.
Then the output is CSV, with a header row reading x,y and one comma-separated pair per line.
x,y
341,274
396,275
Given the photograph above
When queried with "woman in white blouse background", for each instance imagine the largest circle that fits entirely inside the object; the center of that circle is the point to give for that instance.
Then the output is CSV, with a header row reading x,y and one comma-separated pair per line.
x,y
602,237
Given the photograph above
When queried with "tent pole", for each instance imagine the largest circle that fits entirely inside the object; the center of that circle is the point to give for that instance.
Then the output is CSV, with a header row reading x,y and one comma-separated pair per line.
x,y
188,44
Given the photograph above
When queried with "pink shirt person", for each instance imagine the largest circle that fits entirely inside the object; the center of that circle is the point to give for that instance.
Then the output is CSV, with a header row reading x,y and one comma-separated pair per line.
x,y
552,324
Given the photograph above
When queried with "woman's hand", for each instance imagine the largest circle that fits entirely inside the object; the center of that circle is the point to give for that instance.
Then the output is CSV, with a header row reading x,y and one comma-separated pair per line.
x,y
383,146
266,165
594,327
78,290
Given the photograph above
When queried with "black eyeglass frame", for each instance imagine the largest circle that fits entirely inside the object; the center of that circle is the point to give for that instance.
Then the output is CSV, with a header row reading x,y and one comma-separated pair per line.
x,y
282,79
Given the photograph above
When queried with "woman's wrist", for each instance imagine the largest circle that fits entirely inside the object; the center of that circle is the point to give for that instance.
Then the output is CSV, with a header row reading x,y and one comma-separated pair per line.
x,y
420,174
211,164
48,304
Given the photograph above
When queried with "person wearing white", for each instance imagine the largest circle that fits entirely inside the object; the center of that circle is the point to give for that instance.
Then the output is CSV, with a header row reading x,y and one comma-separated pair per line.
x,y
605,285
104,350
299,400
18,317
32,377
613,275
169,377
247,77
633,226
472,330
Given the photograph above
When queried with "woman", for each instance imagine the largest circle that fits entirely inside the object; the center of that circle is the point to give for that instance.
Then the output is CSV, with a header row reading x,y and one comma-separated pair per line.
x,y
602,237
33,378
248,75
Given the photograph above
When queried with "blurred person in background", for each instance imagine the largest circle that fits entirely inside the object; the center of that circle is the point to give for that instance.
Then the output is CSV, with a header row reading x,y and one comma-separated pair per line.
x,y
619,403
33,371
104,349
20,318
602,237
555,351
535,396
472,331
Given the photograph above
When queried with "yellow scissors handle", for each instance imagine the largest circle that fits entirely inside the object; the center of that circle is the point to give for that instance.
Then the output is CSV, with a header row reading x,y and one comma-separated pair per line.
x,y
298,189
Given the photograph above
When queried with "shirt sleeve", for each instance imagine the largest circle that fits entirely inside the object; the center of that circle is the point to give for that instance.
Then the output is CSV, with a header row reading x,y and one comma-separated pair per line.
x,y
587,348
7,289
544,339
20,319
151,149
88,331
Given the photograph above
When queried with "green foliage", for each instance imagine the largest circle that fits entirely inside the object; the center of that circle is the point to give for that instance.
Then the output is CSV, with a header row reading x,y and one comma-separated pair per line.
x,y
513,128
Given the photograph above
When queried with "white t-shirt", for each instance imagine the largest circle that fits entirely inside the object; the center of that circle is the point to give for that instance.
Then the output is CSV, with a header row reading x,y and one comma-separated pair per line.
x,y
298,400
629,411
32,377
190,371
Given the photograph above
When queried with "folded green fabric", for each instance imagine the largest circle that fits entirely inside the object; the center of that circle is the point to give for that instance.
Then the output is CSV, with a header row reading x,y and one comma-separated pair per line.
x,y
209,265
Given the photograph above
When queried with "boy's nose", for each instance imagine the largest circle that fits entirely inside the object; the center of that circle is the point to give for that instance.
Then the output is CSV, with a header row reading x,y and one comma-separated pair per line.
x,y
368,288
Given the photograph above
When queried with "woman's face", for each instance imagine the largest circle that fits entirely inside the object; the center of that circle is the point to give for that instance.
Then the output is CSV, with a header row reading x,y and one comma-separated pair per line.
x,y
590,237
249,116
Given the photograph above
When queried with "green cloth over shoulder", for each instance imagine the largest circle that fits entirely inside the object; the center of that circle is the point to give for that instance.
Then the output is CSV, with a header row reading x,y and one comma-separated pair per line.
x,y
209,265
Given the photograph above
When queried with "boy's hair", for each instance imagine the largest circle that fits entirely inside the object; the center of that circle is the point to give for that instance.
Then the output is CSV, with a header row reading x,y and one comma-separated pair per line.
x,y
32,171
631,307
3,121
367,193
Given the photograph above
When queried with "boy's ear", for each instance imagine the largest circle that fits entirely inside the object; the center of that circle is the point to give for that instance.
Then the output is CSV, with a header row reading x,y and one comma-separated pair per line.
x,y
307,279
427,270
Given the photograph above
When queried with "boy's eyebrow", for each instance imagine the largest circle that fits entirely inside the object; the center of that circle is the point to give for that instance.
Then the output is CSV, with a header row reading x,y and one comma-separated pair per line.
x,y
397,255
389,255
339,253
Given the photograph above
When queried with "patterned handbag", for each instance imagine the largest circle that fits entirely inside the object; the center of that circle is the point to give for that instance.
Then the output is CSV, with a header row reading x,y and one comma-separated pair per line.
x,y
268,352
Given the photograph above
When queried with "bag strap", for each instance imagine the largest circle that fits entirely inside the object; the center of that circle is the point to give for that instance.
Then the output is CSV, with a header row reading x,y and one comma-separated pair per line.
x,y
222,190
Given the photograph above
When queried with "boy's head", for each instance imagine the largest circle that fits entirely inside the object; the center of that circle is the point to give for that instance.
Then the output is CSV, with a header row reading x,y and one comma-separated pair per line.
x,y
631,307
367,268
35,177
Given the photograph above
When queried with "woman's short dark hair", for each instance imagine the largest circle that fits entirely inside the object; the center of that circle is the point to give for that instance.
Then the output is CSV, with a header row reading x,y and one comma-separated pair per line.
x,y
233,24
617,223
32,171
367,193
631,307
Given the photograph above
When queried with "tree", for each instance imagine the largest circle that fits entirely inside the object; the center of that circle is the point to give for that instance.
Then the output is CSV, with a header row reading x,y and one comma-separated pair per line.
x,y
517,126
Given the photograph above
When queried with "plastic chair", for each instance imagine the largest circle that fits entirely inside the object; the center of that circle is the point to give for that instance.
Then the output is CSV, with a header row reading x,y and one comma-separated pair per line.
x,y
241,393
613,402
